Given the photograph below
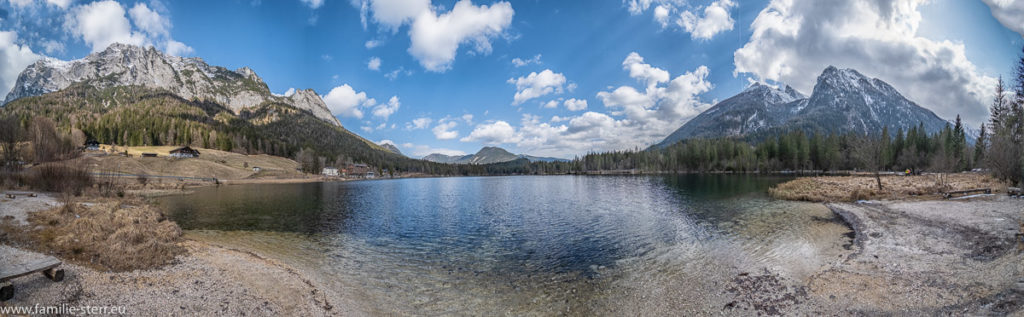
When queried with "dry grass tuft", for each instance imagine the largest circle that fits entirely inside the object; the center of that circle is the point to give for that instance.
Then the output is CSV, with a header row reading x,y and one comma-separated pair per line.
x,y
853,188
109,235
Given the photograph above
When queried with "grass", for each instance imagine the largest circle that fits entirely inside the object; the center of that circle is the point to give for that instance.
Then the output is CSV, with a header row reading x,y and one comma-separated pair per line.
x,y
112,235
210,163
853,188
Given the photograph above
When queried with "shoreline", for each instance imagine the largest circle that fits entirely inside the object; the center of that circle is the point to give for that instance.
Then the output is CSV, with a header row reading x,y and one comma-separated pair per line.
x,y
923,256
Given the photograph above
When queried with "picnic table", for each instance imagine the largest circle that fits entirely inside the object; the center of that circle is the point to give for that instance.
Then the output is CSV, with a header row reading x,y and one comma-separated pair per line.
x,y
48,266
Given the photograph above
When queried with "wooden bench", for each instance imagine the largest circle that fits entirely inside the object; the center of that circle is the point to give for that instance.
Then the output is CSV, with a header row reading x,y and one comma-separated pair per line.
x,y
48,266
1014,191
949,195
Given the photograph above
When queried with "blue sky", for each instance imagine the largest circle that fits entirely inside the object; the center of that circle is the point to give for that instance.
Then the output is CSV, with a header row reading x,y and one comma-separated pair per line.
x,y
643,67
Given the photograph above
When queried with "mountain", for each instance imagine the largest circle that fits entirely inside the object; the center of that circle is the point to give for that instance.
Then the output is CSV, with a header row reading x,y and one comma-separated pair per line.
x,y
130,96
486,155
843,101
392,148
189,78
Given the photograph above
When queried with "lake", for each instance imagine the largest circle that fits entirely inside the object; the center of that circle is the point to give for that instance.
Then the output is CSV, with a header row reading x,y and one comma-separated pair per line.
x,y
521,245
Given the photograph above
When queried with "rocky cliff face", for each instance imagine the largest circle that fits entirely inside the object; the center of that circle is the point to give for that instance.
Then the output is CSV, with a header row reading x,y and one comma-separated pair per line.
x,y
189,78
843,101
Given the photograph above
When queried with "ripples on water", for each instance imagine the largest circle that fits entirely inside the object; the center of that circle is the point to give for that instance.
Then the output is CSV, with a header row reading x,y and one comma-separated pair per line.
x,y
521,245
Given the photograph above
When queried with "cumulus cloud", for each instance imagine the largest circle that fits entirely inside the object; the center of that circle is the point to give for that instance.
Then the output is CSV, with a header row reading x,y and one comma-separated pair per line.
x,y
536,85
641,115
794,40
372,44
519,62
386,110
468,118
346,102
1009,12
102,23
701,22
313,4
373,64
443,130
716,20
436,36
576,104
493,133
13,59
148,20
551,104
418,123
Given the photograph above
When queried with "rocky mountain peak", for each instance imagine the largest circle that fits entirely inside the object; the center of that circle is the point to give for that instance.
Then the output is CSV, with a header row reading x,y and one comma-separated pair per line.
x,y
189,78
843,100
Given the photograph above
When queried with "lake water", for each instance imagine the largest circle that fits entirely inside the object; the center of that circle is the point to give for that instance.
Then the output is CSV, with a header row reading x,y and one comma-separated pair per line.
x,y
521,245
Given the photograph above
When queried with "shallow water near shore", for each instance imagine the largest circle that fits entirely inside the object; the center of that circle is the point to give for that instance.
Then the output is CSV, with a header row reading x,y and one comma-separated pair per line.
x,y
524,245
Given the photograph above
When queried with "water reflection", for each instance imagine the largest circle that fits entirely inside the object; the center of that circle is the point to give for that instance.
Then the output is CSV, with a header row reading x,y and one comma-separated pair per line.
x,y
521,245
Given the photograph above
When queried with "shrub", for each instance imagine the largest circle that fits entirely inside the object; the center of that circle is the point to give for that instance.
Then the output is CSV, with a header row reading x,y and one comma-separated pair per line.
x,y
111,235
61,178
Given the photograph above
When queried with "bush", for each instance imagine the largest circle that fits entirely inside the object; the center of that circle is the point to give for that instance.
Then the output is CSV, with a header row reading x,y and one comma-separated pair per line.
x,y
109,235
61,178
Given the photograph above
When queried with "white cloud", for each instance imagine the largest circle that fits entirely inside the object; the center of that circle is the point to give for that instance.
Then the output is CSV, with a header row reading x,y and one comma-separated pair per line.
x,y
536,85
418,123
177,48
13,59
468,118
436,38
52,47
102,23
576,104
794,40
346,102
493,133
1009,12
701,22
374,63
313,4
551,104
519,62
386,110
443,130
63,4
149,21
716,20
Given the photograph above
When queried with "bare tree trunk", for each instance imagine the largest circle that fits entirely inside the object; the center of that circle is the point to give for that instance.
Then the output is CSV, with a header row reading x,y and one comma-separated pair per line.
x,y
878,179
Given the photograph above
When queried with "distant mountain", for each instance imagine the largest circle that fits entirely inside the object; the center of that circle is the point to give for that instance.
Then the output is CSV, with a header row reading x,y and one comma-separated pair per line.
x,y
486,155
189,78
392,148
843,101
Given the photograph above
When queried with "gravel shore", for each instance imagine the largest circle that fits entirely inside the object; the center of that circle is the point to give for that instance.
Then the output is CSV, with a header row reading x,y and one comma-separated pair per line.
x,y
209,281
927,258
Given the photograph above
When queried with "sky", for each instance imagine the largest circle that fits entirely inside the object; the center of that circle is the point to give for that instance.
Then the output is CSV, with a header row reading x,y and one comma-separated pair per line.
x,y
543,77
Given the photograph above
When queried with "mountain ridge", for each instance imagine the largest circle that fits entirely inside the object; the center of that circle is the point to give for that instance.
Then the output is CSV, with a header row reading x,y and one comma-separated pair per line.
x,y
842,101
190,78
487,155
